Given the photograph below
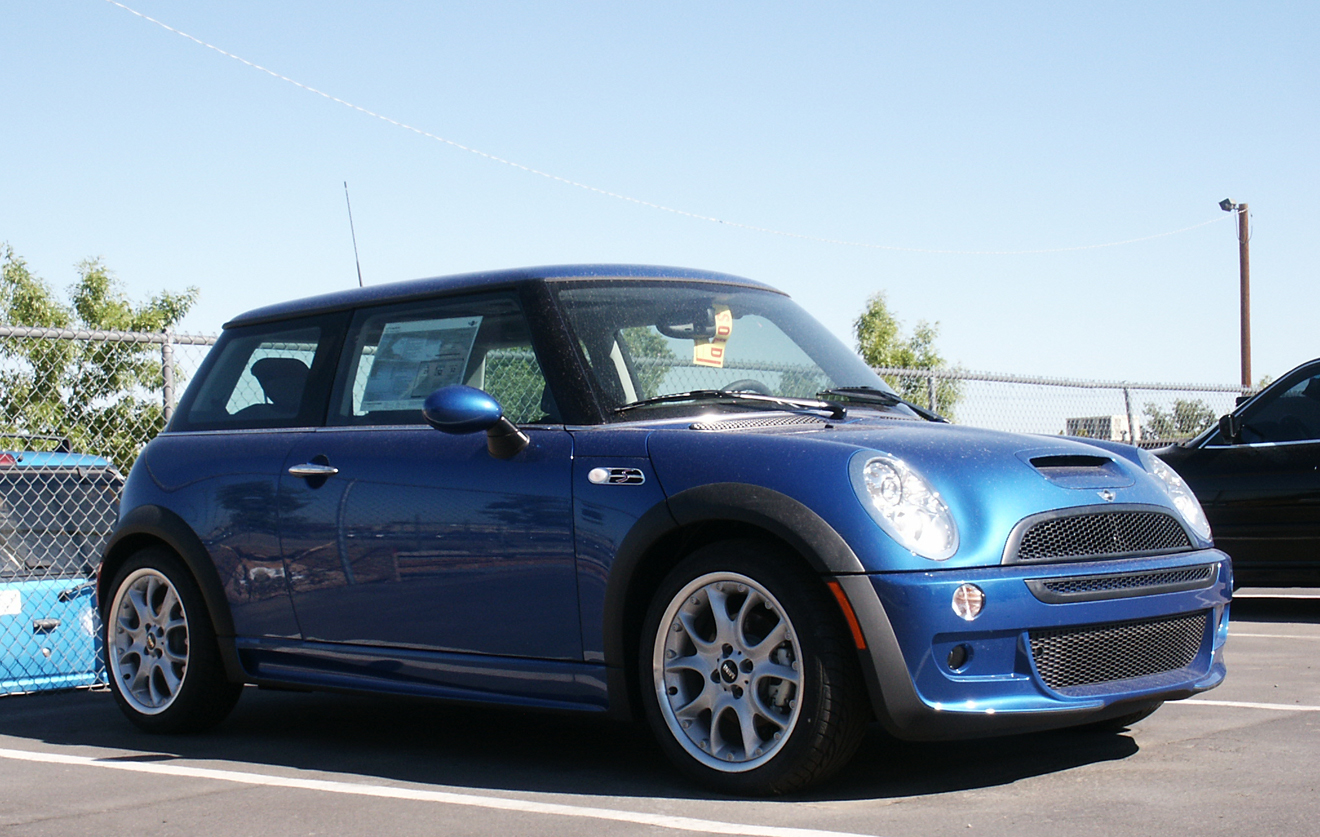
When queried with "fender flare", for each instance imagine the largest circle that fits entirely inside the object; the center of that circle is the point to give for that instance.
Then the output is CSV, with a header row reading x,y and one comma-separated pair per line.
x,y
776,513
156,524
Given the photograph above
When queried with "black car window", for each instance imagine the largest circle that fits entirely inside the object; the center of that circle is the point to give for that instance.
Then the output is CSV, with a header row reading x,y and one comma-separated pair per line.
x,y
398,355
270,375
1291,416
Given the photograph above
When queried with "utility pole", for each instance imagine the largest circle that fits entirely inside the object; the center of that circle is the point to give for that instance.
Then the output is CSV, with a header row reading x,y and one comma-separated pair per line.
x,y
1244,271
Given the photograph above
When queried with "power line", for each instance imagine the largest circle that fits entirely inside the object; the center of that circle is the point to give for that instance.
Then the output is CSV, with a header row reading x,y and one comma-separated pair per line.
x,y
606,193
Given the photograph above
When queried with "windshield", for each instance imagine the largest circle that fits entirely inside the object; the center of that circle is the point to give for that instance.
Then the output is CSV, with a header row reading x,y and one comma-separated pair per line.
x,y
651,340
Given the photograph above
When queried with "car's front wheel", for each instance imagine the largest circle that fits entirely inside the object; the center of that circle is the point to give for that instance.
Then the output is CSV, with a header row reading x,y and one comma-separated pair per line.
x,y
162,657
749,679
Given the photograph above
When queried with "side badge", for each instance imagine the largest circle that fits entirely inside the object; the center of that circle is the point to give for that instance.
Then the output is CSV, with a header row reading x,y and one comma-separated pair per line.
x,y
616,476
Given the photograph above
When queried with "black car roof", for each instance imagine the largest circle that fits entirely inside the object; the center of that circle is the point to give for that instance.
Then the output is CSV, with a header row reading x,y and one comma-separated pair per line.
x,y
417,288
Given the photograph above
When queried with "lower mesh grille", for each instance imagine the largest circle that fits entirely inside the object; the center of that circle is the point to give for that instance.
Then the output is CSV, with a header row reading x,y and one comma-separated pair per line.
x,y
1120,651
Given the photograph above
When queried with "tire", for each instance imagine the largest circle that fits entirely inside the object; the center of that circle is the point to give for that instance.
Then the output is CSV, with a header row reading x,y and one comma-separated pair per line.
x,y
1122,722
161,654
766,699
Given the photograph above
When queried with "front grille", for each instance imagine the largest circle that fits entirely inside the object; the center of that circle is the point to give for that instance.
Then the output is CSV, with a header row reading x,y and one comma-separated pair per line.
x,y
758,423
1085,588
1100,535
1068,657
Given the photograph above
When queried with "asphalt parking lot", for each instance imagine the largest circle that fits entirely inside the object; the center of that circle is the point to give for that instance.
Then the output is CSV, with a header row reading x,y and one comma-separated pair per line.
x,y
1243,759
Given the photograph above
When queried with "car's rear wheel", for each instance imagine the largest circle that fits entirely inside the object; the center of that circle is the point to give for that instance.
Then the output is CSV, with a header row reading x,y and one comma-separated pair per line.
x,y
162,657
749,680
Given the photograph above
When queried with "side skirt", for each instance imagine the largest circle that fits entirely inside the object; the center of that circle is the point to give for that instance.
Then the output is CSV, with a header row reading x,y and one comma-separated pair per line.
x,y
473,678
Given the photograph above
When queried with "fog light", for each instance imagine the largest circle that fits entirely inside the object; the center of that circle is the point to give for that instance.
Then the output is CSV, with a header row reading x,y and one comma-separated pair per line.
x,y
968,601
959,657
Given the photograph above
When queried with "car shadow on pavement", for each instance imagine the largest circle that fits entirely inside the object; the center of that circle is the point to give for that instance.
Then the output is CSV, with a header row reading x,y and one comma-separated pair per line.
x,y
485,749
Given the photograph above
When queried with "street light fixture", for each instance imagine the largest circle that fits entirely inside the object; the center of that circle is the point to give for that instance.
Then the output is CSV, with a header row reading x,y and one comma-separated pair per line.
x,y
1244,271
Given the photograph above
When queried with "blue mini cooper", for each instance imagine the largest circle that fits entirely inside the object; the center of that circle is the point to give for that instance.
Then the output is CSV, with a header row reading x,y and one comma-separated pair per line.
x,y
656,493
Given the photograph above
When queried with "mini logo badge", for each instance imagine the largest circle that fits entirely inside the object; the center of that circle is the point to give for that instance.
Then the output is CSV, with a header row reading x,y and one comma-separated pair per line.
x,y
1107,496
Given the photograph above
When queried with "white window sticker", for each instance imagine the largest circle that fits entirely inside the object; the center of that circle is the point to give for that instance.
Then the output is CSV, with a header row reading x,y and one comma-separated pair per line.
x,y
415,359
11,602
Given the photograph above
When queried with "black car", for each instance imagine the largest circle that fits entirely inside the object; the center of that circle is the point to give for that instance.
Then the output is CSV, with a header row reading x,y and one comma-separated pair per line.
x,y
1257,474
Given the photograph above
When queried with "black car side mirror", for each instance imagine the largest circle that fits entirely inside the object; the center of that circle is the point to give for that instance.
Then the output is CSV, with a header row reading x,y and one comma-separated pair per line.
x,y
1230,427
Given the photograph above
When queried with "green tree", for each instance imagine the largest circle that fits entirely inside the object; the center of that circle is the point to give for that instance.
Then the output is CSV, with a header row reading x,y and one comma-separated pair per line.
x,y
105,397
652,358
1188,417
881,344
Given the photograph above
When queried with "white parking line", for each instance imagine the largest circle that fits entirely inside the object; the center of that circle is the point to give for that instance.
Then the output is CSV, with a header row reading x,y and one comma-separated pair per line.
x,y
1241,595
1270,636
1238,704
444,797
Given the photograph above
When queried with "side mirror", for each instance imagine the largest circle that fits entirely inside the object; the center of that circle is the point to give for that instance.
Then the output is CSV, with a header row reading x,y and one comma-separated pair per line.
x,y
460,410
1230,427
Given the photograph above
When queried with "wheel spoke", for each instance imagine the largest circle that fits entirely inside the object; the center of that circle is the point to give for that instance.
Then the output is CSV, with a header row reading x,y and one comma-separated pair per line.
x,y
747,724
692,662
770,713
688,621
718,747
776,671
760,653
172,678
725,629
169,606
750,601
693,708
141,609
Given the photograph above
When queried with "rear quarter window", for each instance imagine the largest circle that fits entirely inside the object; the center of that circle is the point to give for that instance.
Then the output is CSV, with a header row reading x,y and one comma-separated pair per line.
x,y
273,375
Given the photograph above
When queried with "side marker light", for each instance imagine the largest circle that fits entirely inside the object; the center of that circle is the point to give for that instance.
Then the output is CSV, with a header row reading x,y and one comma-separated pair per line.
x,y
848,614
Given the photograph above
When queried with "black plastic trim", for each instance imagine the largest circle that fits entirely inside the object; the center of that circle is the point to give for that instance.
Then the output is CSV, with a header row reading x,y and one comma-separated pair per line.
x,y
1039,586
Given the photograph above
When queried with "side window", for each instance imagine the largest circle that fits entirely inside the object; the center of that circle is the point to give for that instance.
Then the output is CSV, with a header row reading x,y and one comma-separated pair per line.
x,y
261,377
396,356
1291,416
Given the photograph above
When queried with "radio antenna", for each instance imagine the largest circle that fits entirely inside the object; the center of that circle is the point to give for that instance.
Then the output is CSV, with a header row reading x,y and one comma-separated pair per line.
x,y
351,232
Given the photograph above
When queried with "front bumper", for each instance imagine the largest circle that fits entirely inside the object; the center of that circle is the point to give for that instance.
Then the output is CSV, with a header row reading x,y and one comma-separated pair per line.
x,y
1028,664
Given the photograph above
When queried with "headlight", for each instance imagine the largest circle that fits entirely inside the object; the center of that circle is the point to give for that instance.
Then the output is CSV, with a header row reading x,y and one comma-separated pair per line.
x,y
1179,492
905,505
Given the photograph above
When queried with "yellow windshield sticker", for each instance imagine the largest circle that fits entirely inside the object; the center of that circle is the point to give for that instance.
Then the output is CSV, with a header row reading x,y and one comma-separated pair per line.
x,y
709,351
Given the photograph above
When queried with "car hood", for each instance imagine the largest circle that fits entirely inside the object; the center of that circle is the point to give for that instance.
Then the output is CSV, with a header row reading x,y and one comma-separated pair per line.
x,y
990,480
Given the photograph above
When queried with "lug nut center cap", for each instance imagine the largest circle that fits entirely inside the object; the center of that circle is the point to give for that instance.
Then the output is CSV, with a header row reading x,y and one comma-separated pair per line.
x,y
729,671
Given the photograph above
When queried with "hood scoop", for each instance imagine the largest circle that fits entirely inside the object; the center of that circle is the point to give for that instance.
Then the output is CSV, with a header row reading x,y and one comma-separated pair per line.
x,y
1077,470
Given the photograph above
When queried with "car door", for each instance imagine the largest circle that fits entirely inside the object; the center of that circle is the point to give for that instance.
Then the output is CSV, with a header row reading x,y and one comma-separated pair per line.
x,y
395,534
262,387
1262,495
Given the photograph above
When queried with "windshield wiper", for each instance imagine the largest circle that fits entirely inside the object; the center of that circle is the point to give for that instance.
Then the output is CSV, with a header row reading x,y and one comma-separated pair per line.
x,y
836,410
871,395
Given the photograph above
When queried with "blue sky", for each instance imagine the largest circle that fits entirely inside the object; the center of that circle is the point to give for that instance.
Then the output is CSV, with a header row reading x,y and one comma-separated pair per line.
x,y
927,127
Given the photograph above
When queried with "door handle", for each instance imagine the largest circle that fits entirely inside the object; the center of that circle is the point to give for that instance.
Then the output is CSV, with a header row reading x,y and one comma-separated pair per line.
x,y
313,469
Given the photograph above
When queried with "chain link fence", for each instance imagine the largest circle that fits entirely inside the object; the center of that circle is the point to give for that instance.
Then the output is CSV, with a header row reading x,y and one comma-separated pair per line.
x,y
76,408
1147,414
